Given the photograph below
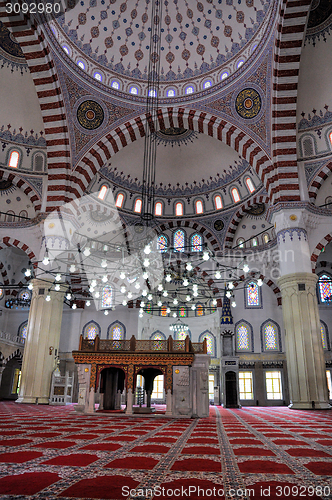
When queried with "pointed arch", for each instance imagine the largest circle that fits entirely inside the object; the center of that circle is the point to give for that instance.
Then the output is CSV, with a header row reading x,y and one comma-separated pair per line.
x,y
116,331
158,335
211,342
270,336
244,336
91,329
25,186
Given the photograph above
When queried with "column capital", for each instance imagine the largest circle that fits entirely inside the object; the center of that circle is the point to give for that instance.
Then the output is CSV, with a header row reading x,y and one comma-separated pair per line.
x,y
294,279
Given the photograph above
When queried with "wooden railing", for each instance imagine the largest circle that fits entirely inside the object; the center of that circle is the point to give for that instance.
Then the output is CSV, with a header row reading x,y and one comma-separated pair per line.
x,y
134,345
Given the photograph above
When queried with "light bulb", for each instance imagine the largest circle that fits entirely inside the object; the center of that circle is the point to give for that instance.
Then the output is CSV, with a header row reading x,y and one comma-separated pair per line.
x,y
46,261
168,278
57,288
58,277
124,302
195,293
48,298
188,298
105,248
122,275
168,310
30,286
175,302
129,295
259,282
74,306
159,303
137,285
141,314
123,289
160,288
87,251
147,249
231,285
206,255
195,286
145,275
174,315
144,293
218,275
106,312
68,296
103,263
214,302
104,279
246,268
233,303
97,295
150,296
228,294
185,282
193,307
93,283
72,268
91,289
146,262
28,273
189,266
142,304
88,303
165,293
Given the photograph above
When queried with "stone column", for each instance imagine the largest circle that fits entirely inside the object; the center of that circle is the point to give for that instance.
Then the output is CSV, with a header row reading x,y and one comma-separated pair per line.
x,y
304,350
41,344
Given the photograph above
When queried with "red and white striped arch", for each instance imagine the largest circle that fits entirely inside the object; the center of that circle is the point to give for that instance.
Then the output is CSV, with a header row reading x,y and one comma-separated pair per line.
x,y
24,186
268,282
44,75
318,180
260,198
319,247
191,119
12,242
283,182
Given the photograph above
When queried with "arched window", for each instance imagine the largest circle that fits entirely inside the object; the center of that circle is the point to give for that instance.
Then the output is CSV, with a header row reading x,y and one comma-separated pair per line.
x,y
23,330
119,200
163,310
270,336
240,242
210,341
91,330
23,213
266,238
250,185
254,242
324,335
199,207
196,243
115,85
148,308
179,240
252,295
207,84
199,310
81,64
158,336
138,206
170,93
235,195
325,288
189,90
152,93
158,209
179,209
308,148
13,159
162,243
24,295
107,299
244,336
10,216
218,202
116,331
182,311
102,192
133,90
182,334
98,76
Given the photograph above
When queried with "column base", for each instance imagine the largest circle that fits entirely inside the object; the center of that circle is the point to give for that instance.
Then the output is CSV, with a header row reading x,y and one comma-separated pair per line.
x,y
32,400
310,406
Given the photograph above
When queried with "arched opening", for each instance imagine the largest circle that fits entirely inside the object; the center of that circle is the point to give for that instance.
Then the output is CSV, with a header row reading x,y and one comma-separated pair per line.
x,y
10,381
149,386
111,386
230,390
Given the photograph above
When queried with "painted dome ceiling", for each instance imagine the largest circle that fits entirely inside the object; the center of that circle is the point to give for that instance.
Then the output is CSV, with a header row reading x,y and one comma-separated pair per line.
x,y
198,38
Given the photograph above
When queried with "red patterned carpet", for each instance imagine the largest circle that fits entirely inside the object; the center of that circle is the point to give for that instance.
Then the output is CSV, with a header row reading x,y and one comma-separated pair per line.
x,y
275,453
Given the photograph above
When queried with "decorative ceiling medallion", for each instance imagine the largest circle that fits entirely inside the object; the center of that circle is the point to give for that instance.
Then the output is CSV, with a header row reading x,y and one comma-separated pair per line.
x,y
175,136
257,209
320,11
5,185
218,225
248,103
90,115
9,44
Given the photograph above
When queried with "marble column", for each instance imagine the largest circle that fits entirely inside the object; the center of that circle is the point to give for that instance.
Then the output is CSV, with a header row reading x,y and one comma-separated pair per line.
x,y
41,344
304,350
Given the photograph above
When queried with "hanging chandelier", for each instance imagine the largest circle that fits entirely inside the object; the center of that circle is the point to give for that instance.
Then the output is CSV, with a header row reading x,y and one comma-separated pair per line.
x,y
179,326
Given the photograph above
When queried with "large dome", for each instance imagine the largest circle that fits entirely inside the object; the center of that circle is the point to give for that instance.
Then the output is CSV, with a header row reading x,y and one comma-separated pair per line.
x,y
200,41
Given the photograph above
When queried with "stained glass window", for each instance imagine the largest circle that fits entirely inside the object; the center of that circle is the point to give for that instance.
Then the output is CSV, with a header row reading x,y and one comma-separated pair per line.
x,y
24,295
250,185
163,311
254,242
252,294
162,243
181,334
209,343
196,243
107,297
179,240
266,238
23,330
240,242
235,195
199,207
91,332
158,210
323,335
149,308
116,332
138,205
182,312
270,337
218,202
119,200
179,209
325,288
199,310
158,336
243,341
102,192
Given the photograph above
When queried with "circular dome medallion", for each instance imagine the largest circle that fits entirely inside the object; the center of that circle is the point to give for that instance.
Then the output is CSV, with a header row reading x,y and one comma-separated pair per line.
x,y
218,225
90,115
248,103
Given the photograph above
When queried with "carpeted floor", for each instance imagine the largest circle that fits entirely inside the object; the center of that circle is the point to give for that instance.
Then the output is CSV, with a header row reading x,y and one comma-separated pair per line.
x,y
275,453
